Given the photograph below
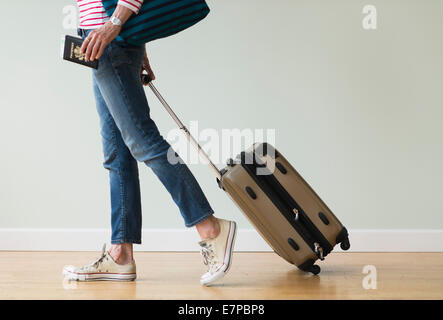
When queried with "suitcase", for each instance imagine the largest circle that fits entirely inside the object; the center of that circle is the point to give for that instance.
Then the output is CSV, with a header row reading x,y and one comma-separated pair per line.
x,y
277,201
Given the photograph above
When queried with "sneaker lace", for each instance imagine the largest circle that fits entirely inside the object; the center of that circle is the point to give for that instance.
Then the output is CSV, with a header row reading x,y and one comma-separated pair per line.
x,y
208,255
98,261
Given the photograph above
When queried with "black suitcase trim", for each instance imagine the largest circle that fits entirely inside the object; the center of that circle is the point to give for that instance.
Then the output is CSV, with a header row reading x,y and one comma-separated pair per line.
x,y
285,203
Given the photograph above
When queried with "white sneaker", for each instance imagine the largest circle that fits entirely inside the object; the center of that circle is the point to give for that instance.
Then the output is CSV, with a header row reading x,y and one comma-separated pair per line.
x,y
217,252
104,268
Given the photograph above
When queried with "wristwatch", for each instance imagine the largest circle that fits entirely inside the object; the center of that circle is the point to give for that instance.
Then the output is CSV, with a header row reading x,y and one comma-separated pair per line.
x,y
116,21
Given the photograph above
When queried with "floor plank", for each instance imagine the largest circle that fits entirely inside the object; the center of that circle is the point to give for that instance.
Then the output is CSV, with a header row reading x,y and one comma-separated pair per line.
x,y
170,275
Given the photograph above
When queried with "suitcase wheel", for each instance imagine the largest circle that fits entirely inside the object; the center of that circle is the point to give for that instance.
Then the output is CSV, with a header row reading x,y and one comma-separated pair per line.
x,y
309,266
315,269
345,245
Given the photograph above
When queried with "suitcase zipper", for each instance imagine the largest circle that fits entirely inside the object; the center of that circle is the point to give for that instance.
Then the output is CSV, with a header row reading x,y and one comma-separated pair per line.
x,y
289,207
323,246
318,251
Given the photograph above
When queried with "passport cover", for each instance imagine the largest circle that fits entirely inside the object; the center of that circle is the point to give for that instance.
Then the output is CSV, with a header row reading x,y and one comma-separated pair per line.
x,y
72,52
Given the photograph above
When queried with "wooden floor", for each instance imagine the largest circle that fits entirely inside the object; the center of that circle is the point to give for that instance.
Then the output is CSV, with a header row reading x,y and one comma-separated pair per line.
x,y
37,275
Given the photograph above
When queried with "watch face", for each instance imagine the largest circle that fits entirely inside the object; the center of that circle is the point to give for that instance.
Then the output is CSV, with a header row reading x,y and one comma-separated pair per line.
x,y
116,21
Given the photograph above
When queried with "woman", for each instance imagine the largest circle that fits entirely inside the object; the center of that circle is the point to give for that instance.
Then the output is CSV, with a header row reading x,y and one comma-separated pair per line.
x,y
130,135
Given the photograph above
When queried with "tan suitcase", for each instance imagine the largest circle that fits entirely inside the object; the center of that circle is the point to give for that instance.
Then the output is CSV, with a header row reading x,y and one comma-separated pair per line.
x,y
282,206
278,202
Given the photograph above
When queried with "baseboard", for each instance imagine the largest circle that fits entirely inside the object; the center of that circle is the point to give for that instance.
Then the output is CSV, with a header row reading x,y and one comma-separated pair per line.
x,y
362,240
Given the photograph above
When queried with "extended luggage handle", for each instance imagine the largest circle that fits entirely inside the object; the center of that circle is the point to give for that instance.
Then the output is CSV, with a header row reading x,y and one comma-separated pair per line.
x,y
148,80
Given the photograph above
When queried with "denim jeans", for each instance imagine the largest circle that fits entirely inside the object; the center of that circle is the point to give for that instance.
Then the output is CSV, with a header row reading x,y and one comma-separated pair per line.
x,y
130,135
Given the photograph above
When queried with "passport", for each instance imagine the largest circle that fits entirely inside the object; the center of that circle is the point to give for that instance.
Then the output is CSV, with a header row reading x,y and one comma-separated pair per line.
x,y
72,52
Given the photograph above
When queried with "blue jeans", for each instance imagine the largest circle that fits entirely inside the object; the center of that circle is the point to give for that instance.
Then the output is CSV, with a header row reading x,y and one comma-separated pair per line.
x,y
130,135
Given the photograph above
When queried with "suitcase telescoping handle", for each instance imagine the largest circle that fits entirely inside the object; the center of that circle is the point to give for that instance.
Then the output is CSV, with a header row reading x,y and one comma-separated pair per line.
x,y
147,80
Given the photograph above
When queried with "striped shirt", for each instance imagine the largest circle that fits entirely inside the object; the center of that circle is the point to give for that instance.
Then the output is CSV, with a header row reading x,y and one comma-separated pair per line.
x,y
92,15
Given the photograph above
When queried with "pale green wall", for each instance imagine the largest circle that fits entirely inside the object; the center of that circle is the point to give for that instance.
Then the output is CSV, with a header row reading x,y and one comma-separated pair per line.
x,y
357,112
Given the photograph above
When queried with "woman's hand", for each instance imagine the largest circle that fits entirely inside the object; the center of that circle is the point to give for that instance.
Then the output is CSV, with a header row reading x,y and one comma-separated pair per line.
x,y
97,40
146,67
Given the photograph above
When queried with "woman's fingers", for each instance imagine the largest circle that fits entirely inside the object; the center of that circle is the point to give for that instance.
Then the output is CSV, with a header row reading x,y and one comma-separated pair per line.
x,y
93,47
148,69
95,43
90,47
86,43
149,72
146,66
95,50
100,52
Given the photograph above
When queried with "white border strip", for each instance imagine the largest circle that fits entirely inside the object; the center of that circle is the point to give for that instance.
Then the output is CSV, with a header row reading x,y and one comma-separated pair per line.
x,y
362,240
